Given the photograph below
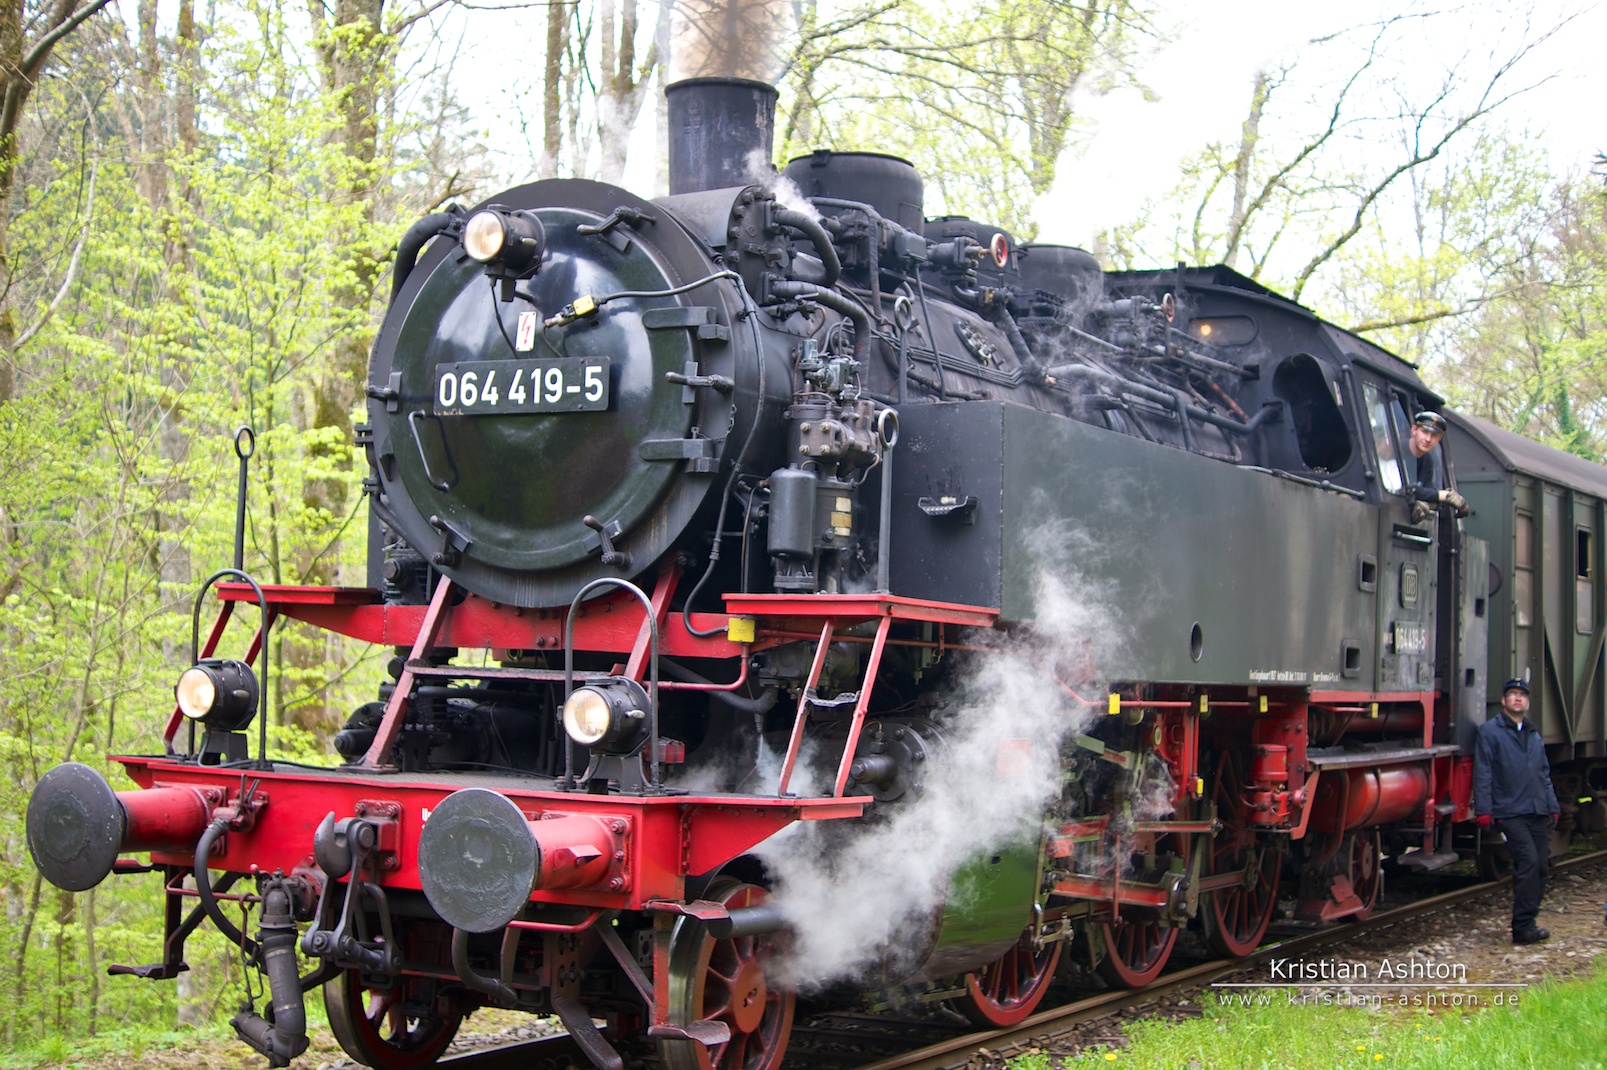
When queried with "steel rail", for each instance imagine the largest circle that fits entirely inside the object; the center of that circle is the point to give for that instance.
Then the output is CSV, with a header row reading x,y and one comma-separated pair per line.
x,y
958,1051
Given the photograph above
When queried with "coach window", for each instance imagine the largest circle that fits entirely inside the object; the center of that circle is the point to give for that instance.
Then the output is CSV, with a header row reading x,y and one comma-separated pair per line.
x,y
1584,585
1384,440
1523,572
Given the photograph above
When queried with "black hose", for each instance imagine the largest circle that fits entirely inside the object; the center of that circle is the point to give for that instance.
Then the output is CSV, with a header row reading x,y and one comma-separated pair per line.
x,y
500,993
816,233
203,889
836,302
413,242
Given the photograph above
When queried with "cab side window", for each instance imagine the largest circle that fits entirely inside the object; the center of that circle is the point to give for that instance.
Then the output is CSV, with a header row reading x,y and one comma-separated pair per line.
x,y
1385,439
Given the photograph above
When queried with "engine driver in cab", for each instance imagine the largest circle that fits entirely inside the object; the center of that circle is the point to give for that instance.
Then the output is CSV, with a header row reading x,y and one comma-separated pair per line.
x,y
1428,485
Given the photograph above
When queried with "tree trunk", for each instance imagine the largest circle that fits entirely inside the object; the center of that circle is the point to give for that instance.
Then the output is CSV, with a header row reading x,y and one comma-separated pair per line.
x,y
552,116
25,51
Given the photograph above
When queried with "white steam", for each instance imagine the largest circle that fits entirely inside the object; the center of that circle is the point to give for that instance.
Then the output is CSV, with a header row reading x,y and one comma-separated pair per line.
x,y
763,173
855,895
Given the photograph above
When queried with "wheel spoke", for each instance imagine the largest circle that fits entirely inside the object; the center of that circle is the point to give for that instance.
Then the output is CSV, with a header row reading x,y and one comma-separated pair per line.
x,y
1012,986
723,980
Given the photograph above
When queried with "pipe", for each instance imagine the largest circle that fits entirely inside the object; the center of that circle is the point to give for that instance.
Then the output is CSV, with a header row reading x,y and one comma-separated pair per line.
x,y
816,233
834,301
413,242
1171,399
1018,342
760,703
283,1036
500,994
747,921
203,889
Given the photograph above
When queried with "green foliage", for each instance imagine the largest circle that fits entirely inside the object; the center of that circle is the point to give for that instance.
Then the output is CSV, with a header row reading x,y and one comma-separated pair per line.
x,y
978,98
219,305
1553,1025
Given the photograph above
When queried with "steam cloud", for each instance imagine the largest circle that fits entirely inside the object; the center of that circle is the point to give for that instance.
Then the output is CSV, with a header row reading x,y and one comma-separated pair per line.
x,y
729,39
854,899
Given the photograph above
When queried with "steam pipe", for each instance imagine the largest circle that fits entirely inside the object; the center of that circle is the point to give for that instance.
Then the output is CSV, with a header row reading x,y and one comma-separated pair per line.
x,y
748,921
1170,399
816,233
760,703
872,244
283,1036
836,302
1024,353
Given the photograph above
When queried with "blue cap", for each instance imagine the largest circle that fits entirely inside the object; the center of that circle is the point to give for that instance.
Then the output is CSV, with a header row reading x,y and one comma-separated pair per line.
x,y
1515,684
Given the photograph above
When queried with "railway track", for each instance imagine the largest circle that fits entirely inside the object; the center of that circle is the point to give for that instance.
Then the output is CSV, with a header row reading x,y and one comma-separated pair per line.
x,y
846,1040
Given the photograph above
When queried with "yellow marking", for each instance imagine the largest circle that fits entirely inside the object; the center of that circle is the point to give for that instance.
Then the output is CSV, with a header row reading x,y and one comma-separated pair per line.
x,y
585,305
1205,704
1374,712
1115,704
741,629
1263,704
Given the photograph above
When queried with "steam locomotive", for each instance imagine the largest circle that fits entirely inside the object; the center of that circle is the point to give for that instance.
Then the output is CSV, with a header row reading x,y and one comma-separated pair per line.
x,y
695,524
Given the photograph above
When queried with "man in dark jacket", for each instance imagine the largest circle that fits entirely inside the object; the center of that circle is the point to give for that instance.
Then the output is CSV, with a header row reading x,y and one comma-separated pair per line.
x,y
1512,789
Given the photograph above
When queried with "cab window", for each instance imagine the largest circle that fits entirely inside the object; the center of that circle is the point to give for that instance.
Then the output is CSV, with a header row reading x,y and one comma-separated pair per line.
x,y
1385,440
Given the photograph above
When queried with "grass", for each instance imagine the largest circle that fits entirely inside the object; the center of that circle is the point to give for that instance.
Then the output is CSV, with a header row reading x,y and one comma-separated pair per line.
x,y
1553,1026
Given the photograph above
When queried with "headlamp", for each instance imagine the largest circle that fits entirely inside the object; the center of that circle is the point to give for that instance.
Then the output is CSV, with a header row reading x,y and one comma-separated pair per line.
x,y
510,244
218,693
484,236
610,716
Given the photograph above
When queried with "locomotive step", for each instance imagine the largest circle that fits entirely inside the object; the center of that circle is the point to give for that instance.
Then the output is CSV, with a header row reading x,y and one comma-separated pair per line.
x,y
1428,863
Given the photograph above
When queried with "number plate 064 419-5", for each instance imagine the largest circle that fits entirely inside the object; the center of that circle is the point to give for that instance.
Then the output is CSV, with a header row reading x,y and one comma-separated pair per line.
x,y
497,387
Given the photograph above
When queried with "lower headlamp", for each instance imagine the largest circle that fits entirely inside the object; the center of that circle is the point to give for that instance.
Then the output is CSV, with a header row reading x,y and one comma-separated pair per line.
x,y
610,716
219,693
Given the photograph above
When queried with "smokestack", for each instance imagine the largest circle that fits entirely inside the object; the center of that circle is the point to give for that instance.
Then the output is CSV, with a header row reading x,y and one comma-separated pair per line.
x,y
722,132
725,56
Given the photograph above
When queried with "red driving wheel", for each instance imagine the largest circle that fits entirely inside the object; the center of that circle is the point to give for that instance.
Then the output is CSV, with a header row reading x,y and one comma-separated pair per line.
x,y
404,1026
1009,989
723,980
1236,918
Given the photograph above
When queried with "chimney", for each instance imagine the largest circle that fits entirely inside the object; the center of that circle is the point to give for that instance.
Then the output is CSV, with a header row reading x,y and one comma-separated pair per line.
x,y
721,132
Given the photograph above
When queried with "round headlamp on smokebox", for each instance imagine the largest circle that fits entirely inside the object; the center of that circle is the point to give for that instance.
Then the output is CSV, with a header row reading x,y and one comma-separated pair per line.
x,y
219,693
511,242
610,716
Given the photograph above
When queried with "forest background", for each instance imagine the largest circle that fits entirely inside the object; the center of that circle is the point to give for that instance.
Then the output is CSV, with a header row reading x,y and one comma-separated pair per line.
x,y
198,204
